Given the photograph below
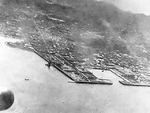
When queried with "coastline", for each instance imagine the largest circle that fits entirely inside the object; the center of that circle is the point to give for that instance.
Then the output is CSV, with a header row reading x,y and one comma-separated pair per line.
x,y
48,90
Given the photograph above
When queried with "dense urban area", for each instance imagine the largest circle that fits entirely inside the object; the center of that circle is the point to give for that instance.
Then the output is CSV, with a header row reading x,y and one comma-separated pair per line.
x,y
72,39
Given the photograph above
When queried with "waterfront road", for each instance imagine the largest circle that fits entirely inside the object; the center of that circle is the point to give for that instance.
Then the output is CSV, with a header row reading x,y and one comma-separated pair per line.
x,y
38,89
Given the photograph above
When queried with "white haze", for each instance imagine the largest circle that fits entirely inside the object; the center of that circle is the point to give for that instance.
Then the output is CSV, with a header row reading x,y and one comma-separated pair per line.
x,y
135,6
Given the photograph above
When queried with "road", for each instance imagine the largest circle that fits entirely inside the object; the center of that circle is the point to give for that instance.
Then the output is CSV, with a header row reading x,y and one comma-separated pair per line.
x,y
38,89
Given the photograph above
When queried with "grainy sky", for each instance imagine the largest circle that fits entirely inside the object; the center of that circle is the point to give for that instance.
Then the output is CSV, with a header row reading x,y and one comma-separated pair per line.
x,y
136,6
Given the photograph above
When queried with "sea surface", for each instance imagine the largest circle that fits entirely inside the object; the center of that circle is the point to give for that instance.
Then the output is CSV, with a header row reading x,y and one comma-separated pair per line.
x,y
38,89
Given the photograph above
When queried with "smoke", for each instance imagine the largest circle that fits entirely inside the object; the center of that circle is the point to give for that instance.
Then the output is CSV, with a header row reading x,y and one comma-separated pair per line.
x,y
96,24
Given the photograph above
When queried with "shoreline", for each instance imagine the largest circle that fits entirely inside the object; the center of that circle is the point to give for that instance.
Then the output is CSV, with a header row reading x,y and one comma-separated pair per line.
x,y
51,87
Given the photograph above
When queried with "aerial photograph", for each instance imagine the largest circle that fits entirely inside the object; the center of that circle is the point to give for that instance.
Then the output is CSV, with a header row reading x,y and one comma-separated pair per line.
x,y
74,56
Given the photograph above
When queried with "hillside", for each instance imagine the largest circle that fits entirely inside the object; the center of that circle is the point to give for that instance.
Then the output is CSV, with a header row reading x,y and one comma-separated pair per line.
x,y
82,29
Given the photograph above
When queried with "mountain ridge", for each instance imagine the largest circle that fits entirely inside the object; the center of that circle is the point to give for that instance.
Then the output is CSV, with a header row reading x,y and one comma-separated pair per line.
x,y
96,25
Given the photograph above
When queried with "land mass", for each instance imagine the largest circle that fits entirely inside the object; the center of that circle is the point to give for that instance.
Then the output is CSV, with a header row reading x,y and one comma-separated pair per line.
x,y
81,34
